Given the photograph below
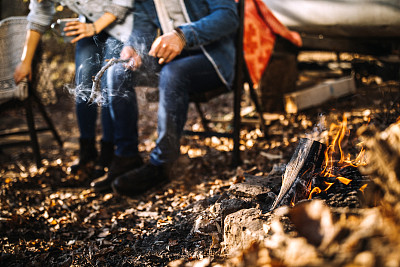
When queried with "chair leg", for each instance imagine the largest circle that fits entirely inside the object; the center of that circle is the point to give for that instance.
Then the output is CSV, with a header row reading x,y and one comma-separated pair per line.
x,y
236,129
48,120
204,121
254,97
32,131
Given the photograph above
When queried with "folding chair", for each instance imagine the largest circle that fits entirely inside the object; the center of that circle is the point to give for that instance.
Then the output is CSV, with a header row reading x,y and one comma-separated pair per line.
x,y
12,38
241,77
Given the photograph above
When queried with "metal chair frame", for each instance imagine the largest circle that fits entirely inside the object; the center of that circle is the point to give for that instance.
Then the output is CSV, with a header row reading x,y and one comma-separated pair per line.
x,y
28,106
241,77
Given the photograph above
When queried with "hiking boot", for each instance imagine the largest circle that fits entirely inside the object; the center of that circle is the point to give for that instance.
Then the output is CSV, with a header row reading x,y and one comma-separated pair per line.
x,y
138,181
119,166
87,156
105,159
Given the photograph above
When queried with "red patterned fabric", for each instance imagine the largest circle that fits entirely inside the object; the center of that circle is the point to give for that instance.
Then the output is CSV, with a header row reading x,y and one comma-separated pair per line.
x,y
260,30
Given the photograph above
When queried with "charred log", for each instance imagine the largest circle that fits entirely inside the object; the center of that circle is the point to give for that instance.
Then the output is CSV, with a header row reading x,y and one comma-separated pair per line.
x,y
306,160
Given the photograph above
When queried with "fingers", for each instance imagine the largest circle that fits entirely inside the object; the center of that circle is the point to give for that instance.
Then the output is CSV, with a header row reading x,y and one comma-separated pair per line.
x,y
155,47
135,60
21,72
81,30
76,39
162,51
166,48
134,63
167,57
18,77
127,52
71,28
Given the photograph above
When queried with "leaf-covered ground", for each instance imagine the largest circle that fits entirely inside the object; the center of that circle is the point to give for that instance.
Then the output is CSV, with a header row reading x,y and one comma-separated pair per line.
x,y
50,217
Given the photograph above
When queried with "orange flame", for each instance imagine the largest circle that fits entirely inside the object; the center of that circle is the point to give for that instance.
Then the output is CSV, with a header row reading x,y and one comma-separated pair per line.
x,y
362,188
343,180
315,190
341,130
335,150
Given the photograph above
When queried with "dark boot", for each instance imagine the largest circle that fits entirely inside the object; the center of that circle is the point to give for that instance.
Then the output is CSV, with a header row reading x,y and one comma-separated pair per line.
x,y
104,160
138,181
87,156
119,166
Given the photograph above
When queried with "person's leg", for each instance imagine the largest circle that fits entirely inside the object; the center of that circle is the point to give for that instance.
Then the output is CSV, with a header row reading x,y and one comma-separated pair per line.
x,y
87,63
107,145
118,83
179,78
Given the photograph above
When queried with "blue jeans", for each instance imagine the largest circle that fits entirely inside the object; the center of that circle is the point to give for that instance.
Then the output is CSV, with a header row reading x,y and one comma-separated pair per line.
x,y
190,73
119,108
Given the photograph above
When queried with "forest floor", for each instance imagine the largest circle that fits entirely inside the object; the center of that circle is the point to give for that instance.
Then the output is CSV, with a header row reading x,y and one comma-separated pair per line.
x,y
51,217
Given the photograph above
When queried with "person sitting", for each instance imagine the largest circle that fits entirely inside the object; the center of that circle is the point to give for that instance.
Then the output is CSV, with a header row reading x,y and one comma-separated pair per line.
x,y
102,29
194,53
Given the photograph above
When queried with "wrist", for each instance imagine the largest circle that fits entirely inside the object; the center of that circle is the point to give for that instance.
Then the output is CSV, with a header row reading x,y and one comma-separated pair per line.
x,y
181,36
94,28
26,61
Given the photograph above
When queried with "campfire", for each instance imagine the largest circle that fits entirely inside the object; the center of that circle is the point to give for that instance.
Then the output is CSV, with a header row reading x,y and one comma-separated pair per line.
x,y
306,224
317,169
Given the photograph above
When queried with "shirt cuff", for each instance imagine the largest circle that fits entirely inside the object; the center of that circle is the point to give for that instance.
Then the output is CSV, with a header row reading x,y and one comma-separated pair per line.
x,y
119,11
36,27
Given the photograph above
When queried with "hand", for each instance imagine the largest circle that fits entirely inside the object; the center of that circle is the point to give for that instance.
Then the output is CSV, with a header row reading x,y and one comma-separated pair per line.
x,y
80,29
21,71
128,52
166,47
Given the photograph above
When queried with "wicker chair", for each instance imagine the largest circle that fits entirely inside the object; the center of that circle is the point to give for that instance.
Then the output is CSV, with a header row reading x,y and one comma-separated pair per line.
x,y
24,95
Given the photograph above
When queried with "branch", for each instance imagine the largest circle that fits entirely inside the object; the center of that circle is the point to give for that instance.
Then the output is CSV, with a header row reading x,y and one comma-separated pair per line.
x,y
97,79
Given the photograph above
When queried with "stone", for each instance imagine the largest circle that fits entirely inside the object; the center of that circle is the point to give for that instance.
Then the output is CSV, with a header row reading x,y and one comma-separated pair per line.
x,y
242,229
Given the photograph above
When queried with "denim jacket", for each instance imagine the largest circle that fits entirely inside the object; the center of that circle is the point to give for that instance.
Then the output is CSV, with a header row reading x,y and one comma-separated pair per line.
x,y
212,28
41,14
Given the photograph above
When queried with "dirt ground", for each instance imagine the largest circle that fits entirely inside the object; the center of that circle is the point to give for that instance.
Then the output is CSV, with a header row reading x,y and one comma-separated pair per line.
x,y
50,217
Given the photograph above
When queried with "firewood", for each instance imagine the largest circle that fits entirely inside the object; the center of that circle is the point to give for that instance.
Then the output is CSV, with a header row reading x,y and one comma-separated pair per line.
x,y
307,158
96,90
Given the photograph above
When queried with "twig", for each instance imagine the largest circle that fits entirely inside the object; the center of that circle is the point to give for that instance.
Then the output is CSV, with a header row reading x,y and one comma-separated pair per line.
x,y
97,79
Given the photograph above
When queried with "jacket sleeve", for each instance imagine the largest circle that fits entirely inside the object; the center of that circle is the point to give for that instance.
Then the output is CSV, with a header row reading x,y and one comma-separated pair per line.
x,y
221,21
145,29
40,15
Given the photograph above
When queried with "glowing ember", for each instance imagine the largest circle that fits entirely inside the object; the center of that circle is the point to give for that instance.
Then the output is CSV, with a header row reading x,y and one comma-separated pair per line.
x,y
343,180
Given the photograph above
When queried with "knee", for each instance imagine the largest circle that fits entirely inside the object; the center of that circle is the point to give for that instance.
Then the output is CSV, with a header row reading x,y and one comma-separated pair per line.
x,y
116,72
118,80
172,77
84,73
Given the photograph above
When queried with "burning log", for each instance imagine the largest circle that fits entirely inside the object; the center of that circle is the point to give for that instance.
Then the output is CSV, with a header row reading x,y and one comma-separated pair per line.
x,y
296,180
